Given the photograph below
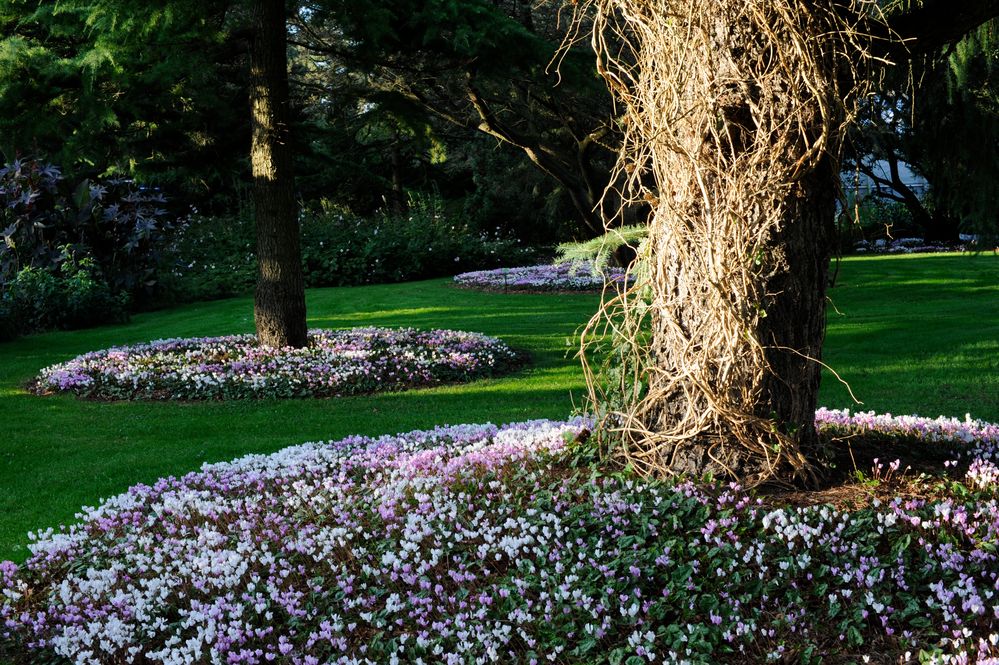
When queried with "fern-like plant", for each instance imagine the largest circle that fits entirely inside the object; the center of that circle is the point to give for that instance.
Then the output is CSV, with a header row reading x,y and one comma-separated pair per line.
x,y
600,251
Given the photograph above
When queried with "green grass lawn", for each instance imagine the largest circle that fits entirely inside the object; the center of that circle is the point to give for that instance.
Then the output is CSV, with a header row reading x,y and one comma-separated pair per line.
x,y
914,335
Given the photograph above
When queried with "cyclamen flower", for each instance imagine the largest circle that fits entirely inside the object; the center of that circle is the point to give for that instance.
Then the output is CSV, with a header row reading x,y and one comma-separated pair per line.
x,y
336,362
583,276
477,543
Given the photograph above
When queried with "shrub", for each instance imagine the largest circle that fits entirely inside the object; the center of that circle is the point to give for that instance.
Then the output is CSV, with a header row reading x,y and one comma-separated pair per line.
x,y
35,299
214,257
8,324
73,296
73,255
121,226
88,299
211,258
339,249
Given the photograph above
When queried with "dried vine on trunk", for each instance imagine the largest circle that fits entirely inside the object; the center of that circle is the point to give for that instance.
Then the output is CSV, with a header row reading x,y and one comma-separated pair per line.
x,y
733,112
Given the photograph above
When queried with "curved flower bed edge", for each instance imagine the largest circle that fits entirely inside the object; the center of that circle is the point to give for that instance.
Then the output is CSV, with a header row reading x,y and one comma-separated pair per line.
x,y
476,543
336,363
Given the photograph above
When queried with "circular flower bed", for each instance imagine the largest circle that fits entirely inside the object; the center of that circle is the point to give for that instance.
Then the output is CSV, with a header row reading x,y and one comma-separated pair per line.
x,y
906,246
336,362
558,277
482,544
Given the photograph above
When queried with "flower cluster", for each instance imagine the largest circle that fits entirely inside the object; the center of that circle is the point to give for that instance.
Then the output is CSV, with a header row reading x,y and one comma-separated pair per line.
x,y
558,277
482,544
978,439
905,246
335,363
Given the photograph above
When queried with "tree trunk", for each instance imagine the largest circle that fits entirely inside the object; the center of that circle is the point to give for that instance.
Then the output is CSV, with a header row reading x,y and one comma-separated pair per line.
x,y
734,113
399,203
279,304
738,159
794,328
791,332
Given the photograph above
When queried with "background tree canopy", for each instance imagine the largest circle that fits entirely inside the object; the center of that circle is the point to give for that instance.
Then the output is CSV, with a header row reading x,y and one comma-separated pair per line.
x,y
940,115
389,99
155,91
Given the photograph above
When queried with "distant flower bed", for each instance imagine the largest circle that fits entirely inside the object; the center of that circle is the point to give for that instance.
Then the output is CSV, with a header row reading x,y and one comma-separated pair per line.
x,y
905,246
335,363
479,544
558,277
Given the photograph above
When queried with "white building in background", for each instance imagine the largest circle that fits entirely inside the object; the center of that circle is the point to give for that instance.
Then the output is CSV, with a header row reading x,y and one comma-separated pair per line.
x,y
861,185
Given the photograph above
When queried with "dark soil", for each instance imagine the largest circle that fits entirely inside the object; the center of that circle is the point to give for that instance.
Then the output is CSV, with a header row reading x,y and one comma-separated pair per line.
x,y
859,471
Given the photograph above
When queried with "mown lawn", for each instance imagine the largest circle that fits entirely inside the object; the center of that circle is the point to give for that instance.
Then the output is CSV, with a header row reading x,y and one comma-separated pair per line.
x,y
913,335
916,334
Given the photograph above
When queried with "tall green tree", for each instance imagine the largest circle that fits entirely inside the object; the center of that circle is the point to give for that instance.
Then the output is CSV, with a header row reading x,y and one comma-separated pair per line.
x,y
485,66
151,91
279,303
122,39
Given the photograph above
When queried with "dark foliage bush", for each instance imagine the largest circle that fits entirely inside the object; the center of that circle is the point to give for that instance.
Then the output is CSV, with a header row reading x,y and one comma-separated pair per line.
x,y
72,296
118,224
214,257
73,255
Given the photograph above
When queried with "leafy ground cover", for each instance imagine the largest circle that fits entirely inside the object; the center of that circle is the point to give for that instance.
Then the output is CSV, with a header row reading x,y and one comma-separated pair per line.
x,y
484,544
913,334
561,277
335,363
58,453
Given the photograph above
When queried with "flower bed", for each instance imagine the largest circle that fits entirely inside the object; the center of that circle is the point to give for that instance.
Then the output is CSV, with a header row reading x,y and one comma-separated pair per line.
x,y
479,544
335,363
558,277
906,246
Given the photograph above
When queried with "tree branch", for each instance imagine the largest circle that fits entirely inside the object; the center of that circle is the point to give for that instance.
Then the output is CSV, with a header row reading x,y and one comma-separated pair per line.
x,y
933,25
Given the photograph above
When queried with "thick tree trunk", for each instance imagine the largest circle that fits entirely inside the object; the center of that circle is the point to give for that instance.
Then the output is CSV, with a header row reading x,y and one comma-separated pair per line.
x,y
738,158
734,113
279,305
794,328
791,331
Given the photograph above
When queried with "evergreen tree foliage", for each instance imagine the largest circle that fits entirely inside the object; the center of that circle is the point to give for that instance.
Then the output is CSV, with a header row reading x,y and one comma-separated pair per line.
x,y
463,66
956,133
152,90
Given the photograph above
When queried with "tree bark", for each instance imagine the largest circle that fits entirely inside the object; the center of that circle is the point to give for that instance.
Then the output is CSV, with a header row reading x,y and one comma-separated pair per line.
x,y
279,303
723,361
791,333
794,328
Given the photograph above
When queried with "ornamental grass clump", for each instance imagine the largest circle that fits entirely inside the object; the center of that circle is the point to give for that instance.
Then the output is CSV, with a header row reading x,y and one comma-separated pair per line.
x,y
581,276
335,363
482,544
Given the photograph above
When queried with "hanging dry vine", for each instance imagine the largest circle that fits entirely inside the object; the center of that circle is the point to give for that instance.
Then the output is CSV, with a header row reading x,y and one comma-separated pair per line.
x,y
733,112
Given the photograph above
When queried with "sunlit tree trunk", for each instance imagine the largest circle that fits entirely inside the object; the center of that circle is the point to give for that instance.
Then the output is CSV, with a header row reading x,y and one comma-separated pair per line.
x,y
734,112
279,303
734,116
